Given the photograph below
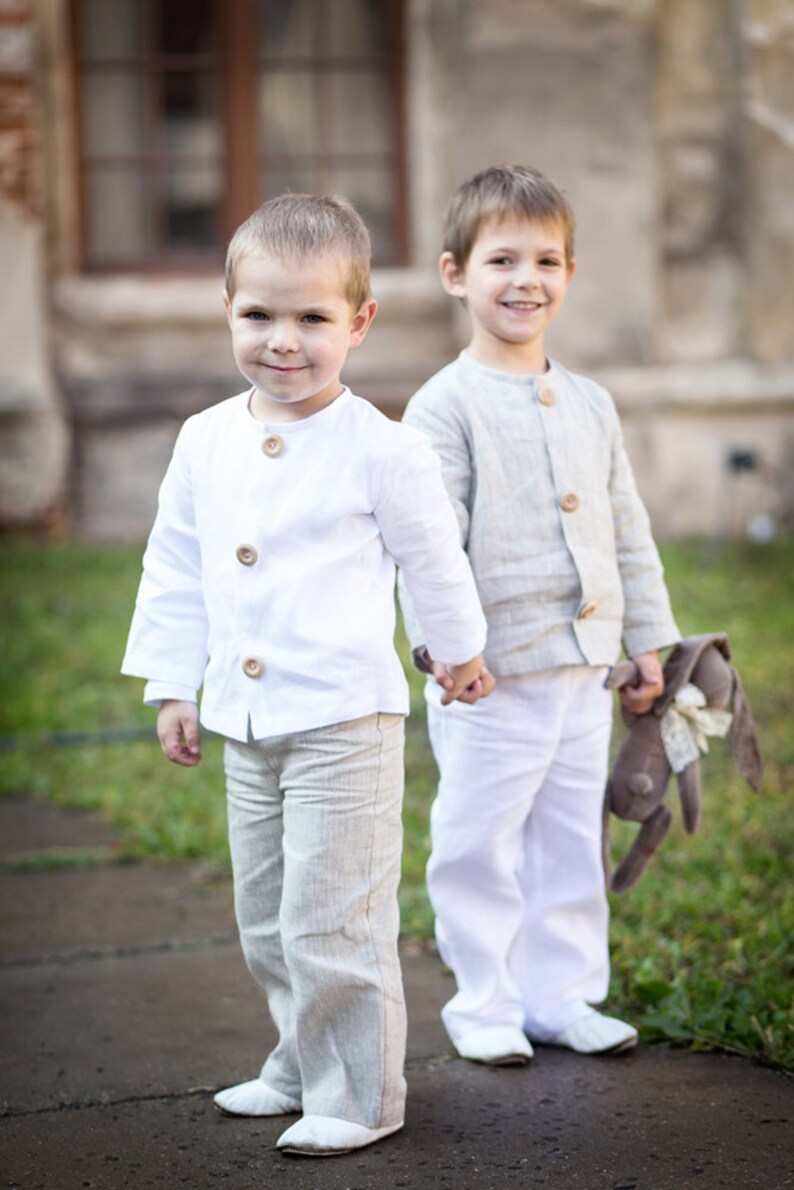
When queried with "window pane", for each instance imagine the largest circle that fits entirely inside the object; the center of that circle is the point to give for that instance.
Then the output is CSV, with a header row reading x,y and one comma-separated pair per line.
x,y
286,113
113,106
110,30
159,160
189,200
358,116
190,121
186,26
370,192
282,178
356,27
285,27
117,227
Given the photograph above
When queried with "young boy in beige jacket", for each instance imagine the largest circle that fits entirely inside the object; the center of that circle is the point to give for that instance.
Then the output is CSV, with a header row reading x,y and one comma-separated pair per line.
x,y
567,570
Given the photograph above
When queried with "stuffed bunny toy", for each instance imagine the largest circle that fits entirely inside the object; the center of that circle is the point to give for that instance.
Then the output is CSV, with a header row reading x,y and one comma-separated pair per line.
x,y
699,683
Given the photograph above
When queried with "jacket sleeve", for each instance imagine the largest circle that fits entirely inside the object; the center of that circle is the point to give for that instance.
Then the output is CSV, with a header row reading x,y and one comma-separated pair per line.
x,y
421,533
168,640
446,436
447,439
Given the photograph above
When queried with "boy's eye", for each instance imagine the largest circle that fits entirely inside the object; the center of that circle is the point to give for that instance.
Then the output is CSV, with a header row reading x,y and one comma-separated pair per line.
x,y
551,262
314,319
500,260
255,315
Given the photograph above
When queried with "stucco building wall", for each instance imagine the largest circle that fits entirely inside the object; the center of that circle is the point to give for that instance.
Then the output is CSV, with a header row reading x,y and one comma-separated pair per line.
x,y
34,436
670,125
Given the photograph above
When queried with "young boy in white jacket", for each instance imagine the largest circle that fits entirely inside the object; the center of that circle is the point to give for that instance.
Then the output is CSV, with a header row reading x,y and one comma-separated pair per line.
x,y
269,580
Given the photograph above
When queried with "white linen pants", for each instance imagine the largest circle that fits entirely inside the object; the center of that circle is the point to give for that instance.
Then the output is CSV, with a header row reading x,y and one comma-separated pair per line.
x,y
316,839
515,875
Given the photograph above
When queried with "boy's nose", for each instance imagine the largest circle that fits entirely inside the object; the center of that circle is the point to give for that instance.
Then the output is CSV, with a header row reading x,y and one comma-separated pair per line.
x,y
526,277
282,338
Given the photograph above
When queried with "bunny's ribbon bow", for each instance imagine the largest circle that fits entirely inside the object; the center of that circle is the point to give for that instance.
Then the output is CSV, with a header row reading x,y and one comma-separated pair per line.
x,y
686,724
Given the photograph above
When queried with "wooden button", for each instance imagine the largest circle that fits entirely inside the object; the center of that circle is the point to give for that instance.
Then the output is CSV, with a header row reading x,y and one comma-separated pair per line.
x,y
253,666
569,502
273,445
585,611
247,555
546,397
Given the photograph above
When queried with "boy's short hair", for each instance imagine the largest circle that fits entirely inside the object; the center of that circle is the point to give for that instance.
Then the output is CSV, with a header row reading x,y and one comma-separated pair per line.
x,y
503,190
301,225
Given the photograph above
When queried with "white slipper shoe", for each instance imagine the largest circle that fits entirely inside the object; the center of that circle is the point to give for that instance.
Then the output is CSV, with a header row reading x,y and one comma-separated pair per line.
x,y
496,1045
255,1098
325,1136
597,1034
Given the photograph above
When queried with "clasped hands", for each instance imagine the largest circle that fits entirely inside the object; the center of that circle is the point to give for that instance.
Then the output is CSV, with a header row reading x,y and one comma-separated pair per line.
x,y
178,721
463,683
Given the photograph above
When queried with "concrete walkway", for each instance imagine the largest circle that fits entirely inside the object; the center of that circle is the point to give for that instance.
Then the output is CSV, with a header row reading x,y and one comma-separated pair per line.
x,y
124,1004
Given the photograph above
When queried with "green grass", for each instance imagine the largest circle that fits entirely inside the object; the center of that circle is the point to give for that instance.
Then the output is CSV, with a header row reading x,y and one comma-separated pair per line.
x,y
701,946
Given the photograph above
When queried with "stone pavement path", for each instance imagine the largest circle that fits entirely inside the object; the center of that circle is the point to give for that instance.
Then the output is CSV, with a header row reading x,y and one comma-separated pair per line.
x,y
124,1004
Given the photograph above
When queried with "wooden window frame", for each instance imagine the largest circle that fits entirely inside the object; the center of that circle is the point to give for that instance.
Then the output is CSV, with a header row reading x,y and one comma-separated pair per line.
x,y
240,153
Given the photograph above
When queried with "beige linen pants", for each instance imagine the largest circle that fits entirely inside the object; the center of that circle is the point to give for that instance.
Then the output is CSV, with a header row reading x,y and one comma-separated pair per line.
x,y
316,839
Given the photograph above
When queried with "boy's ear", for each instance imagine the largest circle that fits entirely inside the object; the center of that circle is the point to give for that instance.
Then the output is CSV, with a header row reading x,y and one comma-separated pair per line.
x,y
227,305
361,321
571,268
452,276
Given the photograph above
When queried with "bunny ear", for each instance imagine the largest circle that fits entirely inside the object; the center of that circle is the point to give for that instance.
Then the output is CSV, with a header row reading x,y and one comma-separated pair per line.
x,y
679,665
745,738
689,791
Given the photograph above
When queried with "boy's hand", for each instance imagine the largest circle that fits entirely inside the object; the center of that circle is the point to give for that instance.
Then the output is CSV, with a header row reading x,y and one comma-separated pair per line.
x,y
178,731
639,699
467,683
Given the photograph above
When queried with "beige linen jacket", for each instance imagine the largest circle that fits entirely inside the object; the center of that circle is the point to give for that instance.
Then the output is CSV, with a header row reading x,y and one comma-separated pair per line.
x,y
558,538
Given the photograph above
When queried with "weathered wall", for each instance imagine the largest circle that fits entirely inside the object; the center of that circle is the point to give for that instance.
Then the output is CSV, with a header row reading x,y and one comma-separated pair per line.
x,y
712,445
702,185
670,124
33,435
768,129
671,127
563,85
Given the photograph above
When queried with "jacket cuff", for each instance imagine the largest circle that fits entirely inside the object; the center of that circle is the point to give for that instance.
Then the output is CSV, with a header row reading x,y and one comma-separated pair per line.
x,y
155,693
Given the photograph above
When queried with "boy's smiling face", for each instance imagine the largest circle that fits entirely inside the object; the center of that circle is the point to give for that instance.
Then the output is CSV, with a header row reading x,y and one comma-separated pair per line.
x,y
514,284
292,327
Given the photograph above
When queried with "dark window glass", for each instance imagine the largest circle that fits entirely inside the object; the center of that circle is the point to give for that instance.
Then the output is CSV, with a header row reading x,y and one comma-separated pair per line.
x,y
194,111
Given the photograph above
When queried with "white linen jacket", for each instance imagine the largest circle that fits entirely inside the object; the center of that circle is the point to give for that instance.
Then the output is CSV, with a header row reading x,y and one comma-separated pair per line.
x,y
269,573
558,538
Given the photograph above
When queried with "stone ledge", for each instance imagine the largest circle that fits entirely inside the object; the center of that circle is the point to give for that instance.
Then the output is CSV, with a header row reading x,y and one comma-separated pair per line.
x,y
145,398
169,301
737,387
720,387
132,399
26,400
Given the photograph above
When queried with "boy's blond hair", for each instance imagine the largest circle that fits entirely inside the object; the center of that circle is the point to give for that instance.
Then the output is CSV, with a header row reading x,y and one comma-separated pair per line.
x,y
304,225
498,191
